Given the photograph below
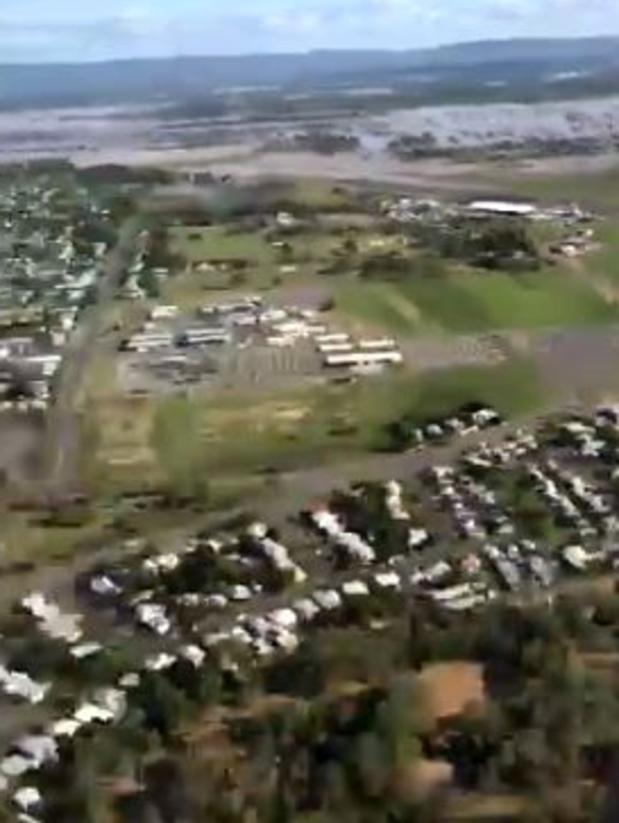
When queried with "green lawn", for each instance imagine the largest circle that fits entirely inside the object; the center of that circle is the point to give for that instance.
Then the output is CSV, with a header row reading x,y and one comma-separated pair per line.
x,y
197,243
381,305
605,262
267,266
478,301
512,387
320,194
595,189
245,433
241,435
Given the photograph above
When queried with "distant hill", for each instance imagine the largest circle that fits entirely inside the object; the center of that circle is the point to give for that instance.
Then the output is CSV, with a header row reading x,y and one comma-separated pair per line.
x,y
147,80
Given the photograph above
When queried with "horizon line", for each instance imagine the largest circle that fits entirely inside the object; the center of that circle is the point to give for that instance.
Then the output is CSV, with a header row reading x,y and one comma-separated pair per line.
x,y
306,52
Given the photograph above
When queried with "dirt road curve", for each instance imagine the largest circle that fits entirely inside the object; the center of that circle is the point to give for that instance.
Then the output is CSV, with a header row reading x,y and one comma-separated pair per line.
x,y
61,473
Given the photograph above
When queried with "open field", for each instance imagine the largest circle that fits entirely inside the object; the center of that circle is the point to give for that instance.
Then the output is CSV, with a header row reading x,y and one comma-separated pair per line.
x,y
140,441
197,244
605,261
593,183
468,300
461,300
265,269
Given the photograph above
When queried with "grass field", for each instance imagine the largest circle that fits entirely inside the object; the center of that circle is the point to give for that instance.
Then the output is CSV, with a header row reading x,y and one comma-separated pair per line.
x,y
267,268
196,244
469,301
320,194
227,438
605,262
593,189
513,387
461,301
381,305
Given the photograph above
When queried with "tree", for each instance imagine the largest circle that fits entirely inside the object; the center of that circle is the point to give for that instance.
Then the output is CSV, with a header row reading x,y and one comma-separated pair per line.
x,y
373,764
177,442
402,718
350,246
163,705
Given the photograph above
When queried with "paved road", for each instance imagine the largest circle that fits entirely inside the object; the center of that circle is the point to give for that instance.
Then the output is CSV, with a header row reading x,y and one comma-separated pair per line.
x,y
63,428
296,489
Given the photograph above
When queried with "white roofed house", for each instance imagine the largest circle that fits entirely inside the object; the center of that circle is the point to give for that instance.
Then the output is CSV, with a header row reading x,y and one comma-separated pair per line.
x,y
327,599
276,553
501,208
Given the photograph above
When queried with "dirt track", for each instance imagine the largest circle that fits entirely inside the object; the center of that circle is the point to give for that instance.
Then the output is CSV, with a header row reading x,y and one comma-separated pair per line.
x,y
61,472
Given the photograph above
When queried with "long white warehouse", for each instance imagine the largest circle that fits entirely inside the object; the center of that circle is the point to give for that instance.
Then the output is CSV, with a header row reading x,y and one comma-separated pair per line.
x,y
335,337
335,348
362,358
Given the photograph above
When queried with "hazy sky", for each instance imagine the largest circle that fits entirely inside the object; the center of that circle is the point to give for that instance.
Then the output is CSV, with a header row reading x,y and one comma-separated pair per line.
x,y
37,30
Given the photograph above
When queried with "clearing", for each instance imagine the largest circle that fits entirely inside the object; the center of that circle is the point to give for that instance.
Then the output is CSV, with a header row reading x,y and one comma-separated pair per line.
x,y
452,688
467,301
136,442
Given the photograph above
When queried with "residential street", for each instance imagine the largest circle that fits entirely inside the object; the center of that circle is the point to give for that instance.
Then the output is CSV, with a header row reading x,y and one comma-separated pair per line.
x,y
63,428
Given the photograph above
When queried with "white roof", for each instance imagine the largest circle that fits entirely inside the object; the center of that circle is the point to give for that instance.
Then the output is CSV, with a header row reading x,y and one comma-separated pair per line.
x,y
306,608
355,588
262,647
284,617
327,599
194,654
90,713
154,616
241,634
159,662
327,521
27,797
416,537
356,546
240,593
103,585
218,601
15,765
111,700
258,530
502,207
67,727
39,748
287,640
576,556
131,680
85,650
20,684
277,554
163,562
388,580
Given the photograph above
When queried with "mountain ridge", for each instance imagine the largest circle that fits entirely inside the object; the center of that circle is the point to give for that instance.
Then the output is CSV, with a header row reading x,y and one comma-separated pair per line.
x,y
150,79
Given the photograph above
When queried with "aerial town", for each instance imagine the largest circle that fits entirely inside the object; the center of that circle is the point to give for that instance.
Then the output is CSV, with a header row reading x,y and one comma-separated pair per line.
x,y
54,242
296,459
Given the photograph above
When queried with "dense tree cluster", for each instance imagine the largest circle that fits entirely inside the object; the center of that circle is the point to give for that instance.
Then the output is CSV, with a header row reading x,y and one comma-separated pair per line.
x,y
500,243
341,728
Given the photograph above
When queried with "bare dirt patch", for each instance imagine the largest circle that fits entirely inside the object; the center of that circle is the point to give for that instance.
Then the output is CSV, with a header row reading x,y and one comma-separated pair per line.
x,y
422,778
452,688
